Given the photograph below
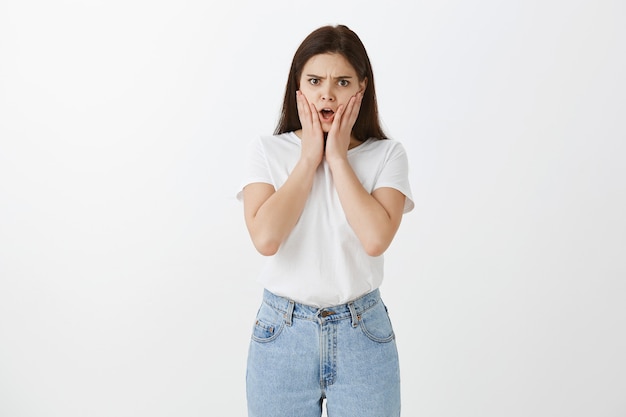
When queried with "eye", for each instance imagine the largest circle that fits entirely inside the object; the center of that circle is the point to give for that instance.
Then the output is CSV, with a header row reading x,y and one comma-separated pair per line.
x,y
343,83
314,81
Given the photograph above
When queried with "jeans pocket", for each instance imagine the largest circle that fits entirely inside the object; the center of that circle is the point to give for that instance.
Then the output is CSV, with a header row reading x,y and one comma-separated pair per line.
x,y
268,325
376,325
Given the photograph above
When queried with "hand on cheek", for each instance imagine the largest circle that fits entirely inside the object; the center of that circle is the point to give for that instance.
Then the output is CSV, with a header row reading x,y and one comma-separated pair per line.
x,y
312,133
340,133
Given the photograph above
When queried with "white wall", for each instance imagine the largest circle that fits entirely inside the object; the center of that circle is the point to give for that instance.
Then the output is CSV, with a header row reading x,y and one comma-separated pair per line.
x,y
126,274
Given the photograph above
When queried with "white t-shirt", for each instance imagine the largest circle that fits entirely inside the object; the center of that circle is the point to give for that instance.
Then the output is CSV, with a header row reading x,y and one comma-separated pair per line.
x,y
322,262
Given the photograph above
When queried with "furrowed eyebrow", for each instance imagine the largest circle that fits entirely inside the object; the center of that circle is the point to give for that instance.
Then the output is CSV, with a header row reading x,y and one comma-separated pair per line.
x,y
341,77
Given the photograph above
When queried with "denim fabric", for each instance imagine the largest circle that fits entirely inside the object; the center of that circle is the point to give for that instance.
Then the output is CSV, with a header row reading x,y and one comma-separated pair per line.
x,y
301,354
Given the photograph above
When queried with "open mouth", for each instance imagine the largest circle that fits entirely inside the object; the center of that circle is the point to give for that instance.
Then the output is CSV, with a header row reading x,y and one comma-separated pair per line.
x,y
327,114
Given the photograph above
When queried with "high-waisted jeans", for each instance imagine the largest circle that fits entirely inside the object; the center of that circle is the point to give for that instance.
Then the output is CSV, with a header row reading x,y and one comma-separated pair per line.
x,y
301,354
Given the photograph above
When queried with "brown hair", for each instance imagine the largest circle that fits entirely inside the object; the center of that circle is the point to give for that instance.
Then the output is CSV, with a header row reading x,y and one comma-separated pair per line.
x,y
341,40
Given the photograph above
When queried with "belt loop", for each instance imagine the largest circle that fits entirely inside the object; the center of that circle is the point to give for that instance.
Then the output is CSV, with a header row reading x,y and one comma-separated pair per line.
x,y
355,317
289,314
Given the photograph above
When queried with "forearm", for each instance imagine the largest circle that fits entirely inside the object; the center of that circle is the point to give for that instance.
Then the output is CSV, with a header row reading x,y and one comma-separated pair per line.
x,y
276,217
373,224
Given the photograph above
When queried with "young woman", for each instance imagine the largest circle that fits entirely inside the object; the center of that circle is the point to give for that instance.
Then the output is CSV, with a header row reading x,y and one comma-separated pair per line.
x,y
323,198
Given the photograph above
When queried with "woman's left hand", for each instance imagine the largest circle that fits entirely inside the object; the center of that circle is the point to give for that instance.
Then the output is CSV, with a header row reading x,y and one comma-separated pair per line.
x,y
338,141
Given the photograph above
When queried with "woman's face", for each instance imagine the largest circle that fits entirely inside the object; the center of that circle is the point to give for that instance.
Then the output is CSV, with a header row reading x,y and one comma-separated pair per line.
x,y
327,82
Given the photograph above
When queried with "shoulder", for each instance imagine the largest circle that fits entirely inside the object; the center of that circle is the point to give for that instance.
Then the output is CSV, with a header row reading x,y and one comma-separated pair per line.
x,y
383,148
271,143
389,143
277,142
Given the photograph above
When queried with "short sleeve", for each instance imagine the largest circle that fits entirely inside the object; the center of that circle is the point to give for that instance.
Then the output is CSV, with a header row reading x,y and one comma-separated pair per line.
x,y
255,168
395,174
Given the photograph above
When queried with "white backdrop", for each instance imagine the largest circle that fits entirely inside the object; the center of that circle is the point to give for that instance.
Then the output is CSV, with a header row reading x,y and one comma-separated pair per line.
x,y
127,279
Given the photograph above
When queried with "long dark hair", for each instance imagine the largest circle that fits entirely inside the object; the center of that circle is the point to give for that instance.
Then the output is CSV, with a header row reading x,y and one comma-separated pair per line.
x,y
341,40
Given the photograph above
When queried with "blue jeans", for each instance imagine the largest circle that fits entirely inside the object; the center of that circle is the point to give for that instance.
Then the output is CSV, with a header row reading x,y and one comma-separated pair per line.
x,y
301,354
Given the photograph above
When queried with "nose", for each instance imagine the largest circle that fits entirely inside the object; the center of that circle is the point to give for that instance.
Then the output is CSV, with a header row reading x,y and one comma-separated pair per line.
x,y
328,94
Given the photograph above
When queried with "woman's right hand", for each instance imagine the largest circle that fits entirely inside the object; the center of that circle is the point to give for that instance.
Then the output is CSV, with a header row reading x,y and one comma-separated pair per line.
x,y
312,133
271,214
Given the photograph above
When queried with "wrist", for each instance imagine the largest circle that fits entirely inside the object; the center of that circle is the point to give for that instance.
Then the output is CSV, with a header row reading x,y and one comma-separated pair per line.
x,y
337,161
309,163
